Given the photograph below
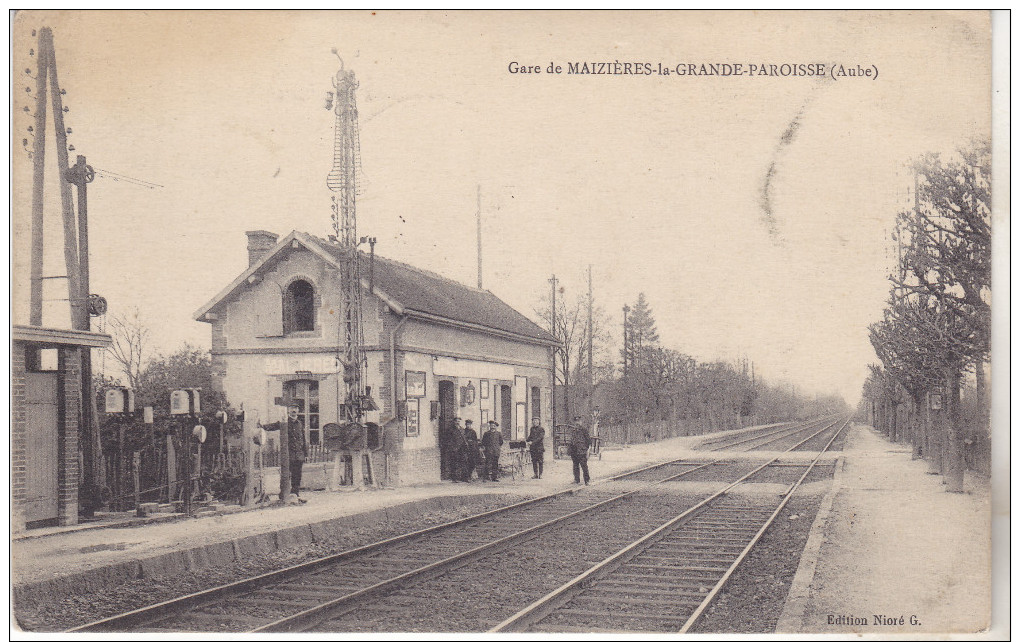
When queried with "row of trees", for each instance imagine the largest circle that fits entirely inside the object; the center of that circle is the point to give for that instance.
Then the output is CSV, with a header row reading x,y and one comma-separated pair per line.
x,y
936,327
654,383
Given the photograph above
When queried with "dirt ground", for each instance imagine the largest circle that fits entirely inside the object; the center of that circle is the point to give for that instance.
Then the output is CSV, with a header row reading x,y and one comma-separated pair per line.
x,y
900,554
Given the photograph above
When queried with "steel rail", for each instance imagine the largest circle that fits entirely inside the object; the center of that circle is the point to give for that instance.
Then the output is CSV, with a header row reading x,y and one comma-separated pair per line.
x,y
542,607
778,427
311,616
168,608
673,462
761,531
770,437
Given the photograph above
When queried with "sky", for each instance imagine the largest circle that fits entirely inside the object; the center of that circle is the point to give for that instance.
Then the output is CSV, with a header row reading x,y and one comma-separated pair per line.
x,y
753,212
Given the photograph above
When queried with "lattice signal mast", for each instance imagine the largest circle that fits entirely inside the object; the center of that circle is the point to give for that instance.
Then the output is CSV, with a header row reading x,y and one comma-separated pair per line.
x,y
343,181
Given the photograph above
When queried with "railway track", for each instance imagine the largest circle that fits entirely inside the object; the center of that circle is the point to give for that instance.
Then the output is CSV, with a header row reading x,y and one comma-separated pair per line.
x,y
348,591
762,439
664,581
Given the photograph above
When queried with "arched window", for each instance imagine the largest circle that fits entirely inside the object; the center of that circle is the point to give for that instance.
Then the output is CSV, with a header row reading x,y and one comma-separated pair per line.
x,y
299,307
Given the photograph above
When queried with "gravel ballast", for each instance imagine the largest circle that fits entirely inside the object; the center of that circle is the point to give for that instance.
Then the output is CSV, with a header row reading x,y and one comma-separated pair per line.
x,y
753,599
60,612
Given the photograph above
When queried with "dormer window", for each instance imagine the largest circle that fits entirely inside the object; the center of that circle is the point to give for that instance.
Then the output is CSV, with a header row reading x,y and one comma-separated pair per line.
x,y
299,307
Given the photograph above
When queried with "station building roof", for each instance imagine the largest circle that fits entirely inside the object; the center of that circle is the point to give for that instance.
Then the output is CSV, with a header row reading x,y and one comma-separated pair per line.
x,y
406,289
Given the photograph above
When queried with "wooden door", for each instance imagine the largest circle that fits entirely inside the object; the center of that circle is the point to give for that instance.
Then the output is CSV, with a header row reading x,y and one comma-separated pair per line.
x,y
506,414
447,413
41,446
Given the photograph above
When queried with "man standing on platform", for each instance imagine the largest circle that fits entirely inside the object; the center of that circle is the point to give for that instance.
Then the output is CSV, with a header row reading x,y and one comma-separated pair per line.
x,y
293,449
580,441
458,452
536,444
492,442
471,461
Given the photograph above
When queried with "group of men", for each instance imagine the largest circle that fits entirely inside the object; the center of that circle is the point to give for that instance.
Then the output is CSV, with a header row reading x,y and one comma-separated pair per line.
x,y
466,451
465,448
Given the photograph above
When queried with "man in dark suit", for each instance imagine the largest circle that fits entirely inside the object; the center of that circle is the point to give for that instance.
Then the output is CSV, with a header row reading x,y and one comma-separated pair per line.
x,y
458,451
471,461
536,444
293,448
580,441
492,442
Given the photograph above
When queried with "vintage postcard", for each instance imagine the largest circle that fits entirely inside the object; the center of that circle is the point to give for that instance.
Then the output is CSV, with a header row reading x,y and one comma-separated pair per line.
x,y
546,322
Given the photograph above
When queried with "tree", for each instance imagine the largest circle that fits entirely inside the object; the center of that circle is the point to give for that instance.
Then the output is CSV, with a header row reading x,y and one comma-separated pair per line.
x,y
938,320
571,319
187,367
130,347
639,331
946,244
597,335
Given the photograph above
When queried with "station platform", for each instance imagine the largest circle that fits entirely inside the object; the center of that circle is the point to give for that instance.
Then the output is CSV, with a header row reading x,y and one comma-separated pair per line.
x,y
891,552
887,541
89,557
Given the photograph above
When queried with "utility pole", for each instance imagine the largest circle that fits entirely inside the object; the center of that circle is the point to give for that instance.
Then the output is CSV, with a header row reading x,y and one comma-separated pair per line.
x,y
76,250
80,175
553,281
38,175
479,216
626,339
591,343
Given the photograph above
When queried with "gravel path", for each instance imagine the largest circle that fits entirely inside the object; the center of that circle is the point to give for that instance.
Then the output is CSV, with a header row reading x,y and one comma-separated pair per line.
x,y
897,544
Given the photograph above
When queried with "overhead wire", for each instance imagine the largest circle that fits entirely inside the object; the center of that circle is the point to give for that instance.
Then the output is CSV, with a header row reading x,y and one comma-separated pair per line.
x,y
126,179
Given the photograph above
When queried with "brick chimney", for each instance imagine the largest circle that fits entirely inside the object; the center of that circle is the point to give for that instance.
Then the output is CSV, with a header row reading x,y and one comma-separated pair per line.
x,y
259,243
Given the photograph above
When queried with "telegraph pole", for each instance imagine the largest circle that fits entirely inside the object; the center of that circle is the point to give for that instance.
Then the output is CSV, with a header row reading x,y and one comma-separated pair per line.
x,y
38,174
553,281
591,343
479,237
80,175
626,347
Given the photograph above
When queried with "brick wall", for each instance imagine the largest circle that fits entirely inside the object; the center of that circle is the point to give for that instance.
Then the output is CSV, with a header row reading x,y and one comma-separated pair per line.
x,y
68,411
389,322
18,436
417,467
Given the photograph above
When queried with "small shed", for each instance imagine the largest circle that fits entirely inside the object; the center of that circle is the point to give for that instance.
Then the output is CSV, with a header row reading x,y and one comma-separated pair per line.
x,y
46,403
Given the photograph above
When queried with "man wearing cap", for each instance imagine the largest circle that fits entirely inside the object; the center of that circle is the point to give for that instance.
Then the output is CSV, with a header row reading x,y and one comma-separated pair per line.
x,y
579,444
294,447
458,451
536,444
492,442
471,460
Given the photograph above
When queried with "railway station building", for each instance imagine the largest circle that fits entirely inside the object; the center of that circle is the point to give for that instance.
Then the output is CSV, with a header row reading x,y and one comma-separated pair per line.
x,y
46,397
435,349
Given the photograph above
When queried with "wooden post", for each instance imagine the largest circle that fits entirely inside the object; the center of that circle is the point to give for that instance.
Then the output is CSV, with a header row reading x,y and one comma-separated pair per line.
x,y
136,465
79,313
188,465
285,459
198,471
371,469
357,472
552,351
333,480
171,469
38,175
121,465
